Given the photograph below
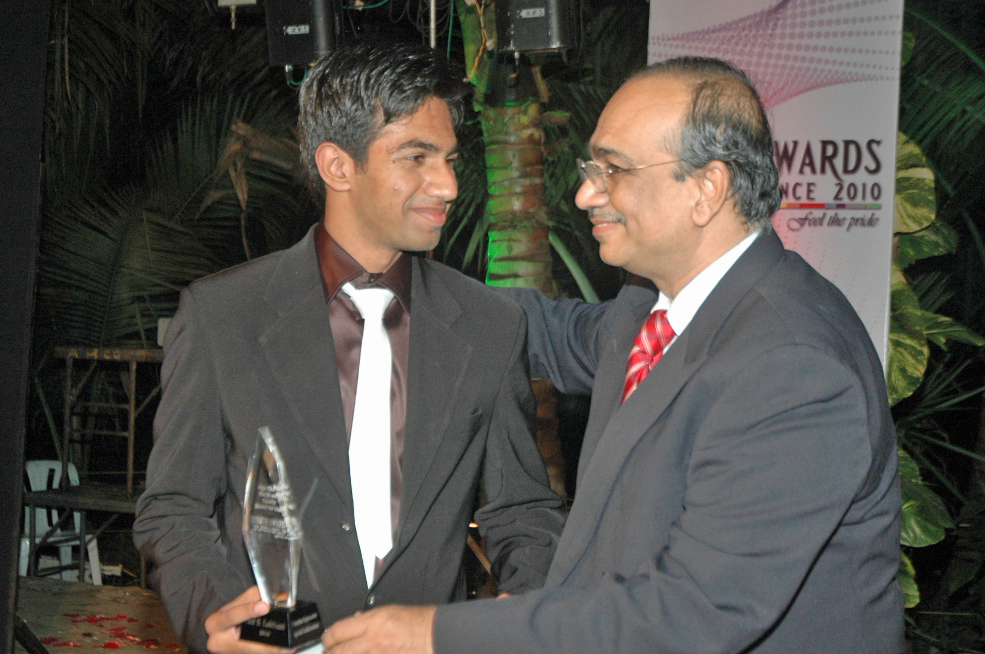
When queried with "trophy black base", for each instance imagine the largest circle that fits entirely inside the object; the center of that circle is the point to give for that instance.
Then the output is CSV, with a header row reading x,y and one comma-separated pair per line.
x,y
285,627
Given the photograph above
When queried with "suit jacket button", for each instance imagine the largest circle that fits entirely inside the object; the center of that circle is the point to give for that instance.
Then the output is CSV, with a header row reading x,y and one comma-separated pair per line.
x,y
346,526
371,601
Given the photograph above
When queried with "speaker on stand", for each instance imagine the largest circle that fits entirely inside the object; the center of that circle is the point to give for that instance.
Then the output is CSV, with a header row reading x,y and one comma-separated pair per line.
x,y
536,25
299,32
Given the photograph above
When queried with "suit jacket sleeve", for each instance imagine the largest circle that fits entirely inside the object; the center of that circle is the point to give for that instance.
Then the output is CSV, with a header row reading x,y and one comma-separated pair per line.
x,y
563,338
777,459
522,519
177,522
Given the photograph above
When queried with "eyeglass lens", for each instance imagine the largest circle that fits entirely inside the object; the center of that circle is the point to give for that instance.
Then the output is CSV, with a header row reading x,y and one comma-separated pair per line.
x,y
592,171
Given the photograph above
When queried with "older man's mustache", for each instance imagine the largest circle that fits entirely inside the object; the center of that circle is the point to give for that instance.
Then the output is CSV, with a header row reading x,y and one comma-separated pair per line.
x,y
597,216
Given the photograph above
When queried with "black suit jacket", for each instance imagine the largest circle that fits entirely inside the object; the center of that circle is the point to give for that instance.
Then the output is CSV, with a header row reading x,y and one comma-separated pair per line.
x,y
744,499
252,346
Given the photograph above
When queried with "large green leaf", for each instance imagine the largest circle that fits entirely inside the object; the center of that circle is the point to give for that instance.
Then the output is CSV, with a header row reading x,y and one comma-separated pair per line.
x,y
940,329
908,349
942,102
911,329
925,519
908,582
914,204
935,239
908,354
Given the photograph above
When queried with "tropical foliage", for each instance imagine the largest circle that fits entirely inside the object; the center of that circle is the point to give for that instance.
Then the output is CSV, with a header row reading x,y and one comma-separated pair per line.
x,y
934,377
139,198
912,329
143,172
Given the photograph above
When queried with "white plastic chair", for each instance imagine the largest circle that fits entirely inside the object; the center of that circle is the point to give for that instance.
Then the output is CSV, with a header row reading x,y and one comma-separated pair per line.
x,y
47,475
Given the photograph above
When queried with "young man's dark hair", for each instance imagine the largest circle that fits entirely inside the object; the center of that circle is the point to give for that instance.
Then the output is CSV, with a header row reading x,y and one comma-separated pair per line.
x,y
393,80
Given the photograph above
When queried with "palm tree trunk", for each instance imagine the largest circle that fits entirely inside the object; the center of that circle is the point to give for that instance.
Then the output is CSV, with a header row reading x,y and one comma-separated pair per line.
x,y
519,252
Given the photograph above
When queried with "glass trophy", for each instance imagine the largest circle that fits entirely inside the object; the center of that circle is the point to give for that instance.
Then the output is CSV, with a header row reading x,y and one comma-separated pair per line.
x,y
272,530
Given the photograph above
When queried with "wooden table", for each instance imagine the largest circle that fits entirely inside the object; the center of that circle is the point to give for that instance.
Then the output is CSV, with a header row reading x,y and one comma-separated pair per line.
x,y
86,619
75,385
91,496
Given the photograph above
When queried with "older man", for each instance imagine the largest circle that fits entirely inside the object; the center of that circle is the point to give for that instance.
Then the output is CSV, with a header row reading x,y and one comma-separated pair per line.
x,y
386,440
737,487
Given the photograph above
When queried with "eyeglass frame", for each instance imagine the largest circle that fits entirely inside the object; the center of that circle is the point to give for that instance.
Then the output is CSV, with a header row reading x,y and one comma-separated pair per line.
x,y
596,174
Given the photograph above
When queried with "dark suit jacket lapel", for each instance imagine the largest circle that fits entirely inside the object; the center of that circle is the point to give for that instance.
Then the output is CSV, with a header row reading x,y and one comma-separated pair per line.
x,y
299,349
628,314
627,424
438,361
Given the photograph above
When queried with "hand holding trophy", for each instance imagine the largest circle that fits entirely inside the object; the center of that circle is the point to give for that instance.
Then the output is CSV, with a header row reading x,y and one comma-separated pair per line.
x,y
272,530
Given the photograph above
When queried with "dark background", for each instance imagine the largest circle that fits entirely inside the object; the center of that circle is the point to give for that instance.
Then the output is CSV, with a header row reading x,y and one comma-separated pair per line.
x,y
23,49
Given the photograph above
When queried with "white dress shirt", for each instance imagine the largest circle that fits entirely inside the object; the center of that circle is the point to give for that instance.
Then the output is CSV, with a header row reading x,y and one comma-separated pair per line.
x,y
682,308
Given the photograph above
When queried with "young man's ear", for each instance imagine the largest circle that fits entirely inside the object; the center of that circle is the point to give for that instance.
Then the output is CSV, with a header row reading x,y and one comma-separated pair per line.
x,y
335,167
714,184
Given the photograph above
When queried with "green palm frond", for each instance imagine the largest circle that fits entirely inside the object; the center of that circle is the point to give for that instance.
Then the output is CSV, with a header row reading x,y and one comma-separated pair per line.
x,y
95,50
942,108
192,167
933,289
210,55
98,55
113,261
259,179
918,428
109,267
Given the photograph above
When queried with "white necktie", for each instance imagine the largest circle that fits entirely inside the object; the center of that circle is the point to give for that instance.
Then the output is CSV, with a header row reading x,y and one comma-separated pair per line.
x,y
369,442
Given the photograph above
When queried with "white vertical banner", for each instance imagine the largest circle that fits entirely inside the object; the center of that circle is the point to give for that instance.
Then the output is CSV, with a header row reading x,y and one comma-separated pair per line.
x,y
828,73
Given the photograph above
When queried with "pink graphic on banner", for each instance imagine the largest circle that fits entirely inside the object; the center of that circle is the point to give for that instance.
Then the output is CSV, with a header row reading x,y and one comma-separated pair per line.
x,y
797,46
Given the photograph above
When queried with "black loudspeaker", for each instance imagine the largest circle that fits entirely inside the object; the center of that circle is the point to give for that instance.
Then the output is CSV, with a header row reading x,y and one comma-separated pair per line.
x,y
299,32
536,25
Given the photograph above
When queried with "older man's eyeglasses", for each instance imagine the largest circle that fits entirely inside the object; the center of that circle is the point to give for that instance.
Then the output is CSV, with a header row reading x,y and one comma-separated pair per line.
x,y
599,174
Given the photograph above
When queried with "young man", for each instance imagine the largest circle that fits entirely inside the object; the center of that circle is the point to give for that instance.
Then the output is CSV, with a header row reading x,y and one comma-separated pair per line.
x,y
278,342
738,487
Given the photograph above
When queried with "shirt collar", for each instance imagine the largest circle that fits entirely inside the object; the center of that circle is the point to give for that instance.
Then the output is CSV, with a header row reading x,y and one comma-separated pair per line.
x,y
338,267
682,308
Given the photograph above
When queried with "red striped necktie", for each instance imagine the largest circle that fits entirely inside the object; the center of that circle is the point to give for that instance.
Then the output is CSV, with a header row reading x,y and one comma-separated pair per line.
x,y
655,334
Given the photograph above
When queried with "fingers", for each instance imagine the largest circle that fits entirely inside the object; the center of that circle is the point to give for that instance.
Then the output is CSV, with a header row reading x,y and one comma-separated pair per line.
x,y
236,612
387,630
223,626
344,630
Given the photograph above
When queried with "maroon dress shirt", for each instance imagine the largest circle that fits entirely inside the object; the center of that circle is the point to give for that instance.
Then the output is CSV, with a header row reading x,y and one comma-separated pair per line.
x,y
337,268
